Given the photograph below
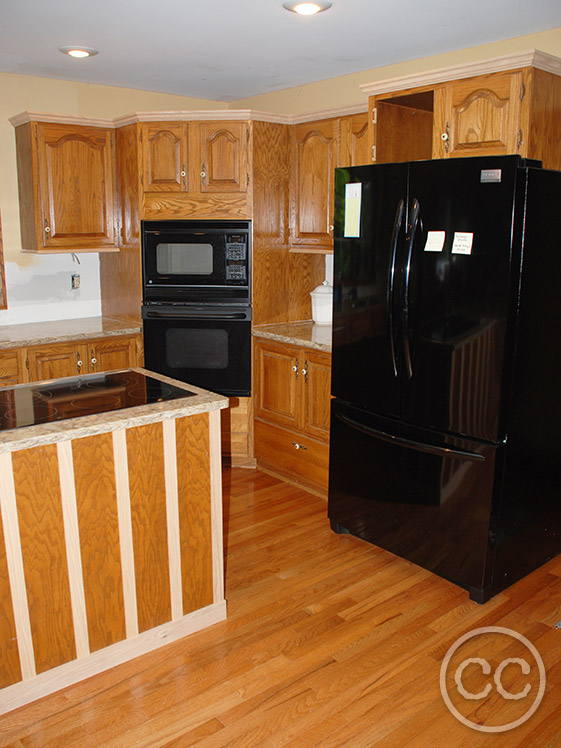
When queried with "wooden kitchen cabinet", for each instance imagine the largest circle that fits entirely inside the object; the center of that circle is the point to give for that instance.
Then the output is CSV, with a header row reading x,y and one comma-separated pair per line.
x,y
83,356
66,187
317,149
9,368
195,157
292,404
512,112
314,158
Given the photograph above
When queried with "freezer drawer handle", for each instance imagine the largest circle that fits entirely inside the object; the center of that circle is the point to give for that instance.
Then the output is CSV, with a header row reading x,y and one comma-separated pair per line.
x,y
411,443
391,279
195,315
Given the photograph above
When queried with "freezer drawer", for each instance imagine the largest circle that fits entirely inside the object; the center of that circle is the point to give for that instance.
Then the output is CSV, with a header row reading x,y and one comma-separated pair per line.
x,y
424,496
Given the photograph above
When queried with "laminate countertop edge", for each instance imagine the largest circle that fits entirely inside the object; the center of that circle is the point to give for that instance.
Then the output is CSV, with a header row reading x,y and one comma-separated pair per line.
x,y
74,428
304,334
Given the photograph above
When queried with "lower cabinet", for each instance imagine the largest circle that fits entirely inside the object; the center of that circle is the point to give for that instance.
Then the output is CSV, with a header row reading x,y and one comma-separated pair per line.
x,y
292,412
71,358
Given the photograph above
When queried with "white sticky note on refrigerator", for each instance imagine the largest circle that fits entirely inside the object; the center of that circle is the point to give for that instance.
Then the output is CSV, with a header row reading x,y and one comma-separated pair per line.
x,y
353,204
435,241
463,242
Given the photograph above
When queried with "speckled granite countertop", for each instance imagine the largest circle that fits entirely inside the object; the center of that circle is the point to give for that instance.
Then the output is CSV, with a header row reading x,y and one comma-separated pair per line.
x,y
39,333
74,428
305,334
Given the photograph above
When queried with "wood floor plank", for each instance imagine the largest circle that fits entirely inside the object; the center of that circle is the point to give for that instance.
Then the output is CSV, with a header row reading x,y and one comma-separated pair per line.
x,y
329,643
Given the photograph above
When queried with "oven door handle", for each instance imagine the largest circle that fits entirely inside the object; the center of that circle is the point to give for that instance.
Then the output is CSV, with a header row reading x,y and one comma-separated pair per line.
x,y
195,315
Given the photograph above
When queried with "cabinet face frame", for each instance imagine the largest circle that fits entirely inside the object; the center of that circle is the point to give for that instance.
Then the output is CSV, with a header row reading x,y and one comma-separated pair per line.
x,y
3,296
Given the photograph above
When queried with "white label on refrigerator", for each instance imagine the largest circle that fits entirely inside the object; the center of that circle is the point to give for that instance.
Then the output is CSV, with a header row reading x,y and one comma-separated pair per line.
x,y
353,200
435,241
463,241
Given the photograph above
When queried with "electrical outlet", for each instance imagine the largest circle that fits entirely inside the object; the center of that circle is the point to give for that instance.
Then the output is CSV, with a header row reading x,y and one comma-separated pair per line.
x,y
74,280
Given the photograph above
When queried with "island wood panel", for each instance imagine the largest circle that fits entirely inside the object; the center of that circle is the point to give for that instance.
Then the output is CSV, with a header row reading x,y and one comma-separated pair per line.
x,y
10,669
96,501
38,496
145,454
193,480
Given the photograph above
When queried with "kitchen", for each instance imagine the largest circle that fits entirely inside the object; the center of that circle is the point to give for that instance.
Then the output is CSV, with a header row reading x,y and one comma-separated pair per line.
x,y
282,300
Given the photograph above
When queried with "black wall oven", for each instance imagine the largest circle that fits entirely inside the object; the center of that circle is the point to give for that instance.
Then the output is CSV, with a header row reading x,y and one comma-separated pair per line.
x,y
197,302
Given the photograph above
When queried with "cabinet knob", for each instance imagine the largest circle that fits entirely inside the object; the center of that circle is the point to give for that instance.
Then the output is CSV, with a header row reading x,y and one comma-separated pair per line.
x,y
203,174
295,368
445,137
94,361
183,174
47,229
298,446
304,371
79,363
331,227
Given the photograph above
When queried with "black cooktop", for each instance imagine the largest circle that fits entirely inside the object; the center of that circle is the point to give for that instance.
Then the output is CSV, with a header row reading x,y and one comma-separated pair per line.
x,y
60,399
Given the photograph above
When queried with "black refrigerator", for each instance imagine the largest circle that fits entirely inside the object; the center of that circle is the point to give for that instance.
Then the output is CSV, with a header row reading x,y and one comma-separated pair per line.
x,y
446,413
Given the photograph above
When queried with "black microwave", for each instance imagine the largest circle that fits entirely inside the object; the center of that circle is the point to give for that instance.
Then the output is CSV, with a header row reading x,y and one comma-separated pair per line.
x,y
193,261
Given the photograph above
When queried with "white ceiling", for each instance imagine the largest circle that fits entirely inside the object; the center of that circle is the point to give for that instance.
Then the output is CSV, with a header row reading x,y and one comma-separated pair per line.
x,y
226,50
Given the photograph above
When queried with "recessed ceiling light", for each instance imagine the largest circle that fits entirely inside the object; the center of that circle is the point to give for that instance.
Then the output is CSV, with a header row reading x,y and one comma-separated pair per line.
x,y
307,9
76,51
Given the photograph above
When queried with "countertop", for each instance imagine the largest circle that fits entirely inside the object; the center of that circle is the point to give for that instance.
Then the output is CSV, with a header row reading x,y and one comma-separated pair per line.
x,y
305,334
74,428
59,331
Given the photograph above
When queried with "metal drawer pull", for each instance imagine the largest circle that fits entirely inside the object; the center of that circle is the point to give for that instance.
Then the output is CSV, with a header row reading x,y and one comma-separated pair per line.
x,y
298,446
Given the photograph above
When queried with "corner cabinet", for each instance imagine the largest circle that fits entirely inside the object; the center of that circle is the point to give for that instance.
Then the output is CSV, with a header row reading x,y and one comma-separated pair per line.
x,y
66,188
317,149
512,112
292,410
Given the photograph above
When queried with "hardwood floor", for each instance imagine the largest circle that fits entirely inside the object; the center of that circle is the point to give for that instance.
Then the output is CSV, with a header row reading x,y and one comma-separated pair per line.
x,y
329,643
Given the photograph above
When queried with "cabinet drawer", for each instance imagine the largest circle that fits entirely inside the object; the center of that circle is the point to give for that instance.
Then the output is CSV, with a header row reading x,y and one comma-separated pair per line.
x,y
275,450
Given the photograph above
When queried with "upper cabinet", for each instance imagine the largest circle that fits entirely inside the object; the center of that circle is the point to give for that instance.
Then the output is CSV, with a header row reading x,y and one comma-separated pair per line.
x,y
224,157
317,149
516,111
66,188
479,116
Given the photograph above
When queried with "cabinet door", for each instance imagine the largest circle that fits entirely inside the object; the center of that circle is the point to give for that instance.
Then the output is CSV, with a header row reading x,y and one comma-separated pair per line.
x,y
314,160
9,369
278,383
478,116
75,173
55,361
224,156
354,147
316,400
112,353
164,157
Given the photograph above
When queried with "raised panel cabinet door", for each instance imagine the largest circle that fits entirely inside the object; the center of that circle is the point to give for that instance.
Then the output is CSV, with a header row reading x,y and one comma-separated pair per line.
x,y
112,353
354,147
224,156
76,187
164,156
316,402
314,159
278,383
55,361
478,116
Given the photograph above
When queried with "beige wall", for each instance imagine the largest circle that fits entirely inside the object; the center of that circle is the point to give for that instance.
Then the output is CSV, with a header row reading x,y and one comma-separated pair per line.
x,y
345,91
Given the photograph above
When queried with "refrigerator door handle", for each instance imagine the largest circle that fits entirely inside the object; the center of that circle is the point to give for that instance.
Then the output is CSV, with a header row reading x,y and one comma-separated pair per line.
x,y
391,279
415,218
463,454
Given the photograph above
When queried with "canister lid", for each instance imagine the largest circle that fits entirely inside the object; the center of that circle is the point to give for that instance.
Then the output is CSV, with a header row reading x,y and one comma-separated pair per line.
x,y
324,288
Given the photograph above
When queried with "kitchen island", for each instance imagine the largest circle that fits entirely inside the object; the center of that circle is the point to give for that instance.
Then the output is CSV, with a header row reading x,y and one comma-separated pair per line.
x,y
111,534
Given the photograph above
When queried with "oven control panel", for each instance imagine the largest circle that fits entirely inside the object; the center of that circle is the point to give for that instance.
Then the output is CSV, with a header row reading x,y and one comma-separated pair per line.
x,y
236,256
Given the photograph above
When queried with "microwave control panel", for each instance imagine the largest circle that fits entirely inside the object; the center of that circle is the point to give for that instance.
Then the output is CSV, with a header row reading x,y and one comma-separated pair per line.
x,y
236,255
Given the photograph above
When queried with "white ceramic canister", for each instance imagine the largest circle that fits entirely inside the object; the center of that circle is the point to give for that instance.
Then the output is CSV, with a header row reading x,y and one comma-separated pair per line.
x,y
322,304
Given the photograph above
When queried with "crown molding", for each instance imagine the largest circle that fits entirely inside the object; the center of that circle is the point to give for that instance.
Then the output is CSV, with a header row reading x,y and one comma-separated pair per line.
x,y
529,58
195,115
